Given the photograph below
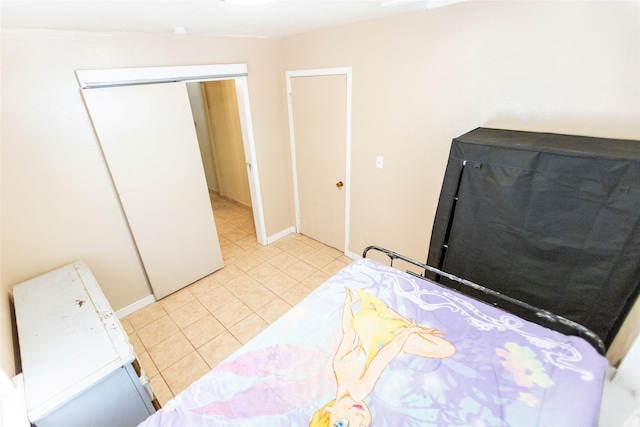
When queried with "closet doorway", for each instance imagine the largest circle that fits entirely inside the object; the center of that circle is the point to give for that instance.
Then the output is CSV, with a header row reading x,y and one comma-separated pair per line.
x,y
215,110
99,82
149,144
216,116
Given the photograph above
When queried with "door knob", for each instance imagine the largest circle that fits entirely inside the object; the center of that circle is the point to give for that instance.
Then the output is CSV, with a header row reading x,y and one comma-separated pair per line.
x,y
339,184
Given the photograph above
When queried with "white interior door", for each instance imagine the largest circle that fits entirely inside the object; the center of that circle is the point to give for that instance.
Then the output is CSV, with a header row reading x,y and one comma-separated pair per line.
x,y
149,141
319,114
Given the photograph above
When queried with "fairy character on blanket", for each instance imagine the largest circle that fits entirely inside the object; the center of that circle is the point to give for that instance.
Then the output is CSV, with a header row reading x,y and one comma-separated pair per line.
x,y
371,339
273,381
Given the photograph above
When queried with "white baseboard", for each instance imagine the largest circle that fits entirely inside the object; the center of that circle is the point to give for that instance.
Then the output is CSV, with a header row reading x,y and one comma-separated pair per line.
x,y
352,255
279,235
135,306
125,311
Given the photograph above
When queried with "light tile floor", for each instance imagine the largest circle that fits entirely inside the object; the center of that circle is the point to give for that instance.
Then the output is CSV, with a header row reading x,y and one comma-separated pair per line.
x,y
182,336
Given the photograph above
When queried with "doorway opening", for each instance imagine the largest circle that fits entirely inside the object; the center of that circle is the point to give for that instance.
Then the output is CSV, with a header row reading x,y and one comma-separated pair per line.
x,y
236,73
216,117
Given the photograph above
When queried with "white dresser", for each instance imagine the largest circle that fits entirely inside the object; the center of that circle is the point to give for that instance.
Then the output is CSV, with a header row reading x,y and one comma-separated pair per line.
x,y
79,368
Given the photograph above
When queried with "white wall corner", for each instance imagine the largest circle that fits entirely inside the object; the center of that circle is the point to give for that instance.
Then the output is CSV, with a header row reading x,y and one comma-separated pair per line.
x,y
621,393
13,409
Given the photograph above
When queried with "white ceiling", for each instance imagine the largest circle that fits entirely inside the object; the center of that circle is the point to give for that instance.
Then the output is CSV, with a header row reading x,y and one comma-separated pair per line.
x,y
216,17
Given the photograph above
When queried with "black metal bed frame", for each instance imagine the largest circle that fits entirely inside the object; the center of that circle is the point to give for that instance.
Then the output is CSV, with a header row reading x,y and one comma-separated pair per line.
x,y
535,314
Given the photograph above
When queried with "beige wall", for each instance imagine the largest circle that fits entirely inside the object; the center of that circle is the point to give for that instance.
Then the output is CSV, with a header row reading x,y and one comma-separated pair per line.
x,y
423,78
418,80
7,359
58,203
629,332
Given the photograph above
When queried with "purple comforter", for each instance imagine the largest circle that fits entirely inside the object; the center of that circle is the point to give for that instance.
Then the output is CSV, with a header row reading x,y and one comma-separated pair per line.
x,y
402,352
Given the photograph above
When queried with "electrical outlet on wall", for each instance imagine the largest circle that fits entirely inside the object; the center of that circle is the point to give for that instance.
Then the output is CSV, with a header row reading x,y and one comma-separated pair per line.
x,y
379,162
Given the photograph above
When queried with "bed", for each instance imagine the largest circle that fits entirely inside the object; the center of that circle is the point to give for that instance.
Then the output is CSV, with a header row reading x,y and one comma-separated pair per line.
x,y
376,345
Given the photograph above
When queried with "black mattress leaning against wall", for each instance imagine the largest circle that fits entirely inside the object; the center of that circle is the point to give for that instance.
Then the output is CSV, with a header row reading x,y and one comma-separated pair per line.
x,y
549,219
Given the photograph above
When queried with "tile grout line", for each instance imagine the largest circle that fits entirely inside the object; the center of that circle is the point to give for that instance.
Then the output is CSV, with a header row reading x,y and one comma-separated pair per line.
x,y
292,250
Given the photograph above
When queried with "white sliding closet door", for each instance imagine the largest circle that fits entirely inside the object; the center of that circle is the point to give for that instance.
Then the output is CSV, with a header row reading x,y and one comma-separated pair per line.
x,y
149,141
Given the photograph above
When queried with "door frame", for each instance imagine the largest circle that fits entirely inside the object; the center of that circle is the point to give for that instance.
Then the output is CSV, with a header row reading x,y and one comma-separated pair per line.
x,y
347,72
97,78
